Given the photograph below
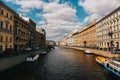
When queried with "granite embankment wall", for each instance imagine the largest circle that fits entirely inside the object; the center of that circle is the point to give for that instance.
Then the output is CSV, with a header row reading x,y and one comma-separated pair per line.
x,y
100,52
8,62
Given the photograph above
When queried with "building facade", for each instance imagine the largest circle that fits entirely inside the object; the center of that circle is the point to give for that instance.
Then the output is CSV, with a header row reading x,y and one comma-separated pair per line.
x,y
21,33
41,37
63,42
108,30
50,42
87,35
6,27
75,39
32,32
17,32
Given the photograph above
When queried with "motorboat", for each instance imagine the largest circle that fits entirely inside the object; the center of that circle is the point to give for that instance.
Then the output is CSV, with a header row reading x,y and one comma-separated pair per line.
x,y
101,60
32,57
87,51
43,52
113,66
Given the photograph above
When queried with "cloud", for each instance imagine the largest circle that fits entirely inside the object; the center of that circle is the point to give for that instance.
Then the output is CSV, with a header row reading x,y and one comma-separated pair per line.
x,y
27,4
42,22
98,8
57,19
58,32
60,18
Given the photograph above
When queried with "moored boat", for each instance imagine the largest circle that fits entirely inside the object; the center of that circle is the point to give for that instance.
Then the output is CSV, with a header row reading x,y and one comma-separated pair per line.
x,y
113,66
87,52
100,60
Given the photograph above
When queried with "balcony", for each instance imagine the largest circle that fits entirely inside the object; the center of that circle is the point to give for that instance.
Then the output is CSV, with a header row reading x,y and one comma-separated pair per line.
x,y
6,31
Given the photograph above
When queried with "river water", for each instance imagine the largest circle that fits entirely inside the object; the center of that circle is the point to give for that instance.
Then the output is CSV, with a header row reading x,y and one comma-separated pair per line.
x,y
59,64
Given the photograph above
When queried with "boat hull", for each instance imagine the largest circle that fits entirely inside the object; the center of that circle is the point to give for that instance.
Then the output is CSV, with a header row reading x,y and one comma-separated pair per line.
x,y
100,60
112,69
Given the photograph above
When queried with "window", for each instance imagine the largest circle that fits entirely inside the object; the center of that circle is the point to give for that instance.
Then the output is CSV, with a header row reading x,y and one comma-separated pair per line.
x,y
11,28
0,47
6,26
10,46
6,14
1,24
5,46
1,38
2,12
10,39
6,39
11,17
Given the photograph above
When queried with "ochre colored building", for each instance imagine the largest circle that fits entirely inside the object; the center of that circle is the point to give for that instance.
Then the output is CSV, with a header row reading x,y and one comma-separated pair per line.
x,y
87,35
6,27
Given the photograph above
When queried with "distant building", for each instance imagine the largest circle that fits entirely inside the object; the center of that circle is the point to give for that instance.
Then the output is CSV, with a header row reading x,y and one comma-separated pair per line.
x,y
87,35
41,37
32,31
50,42
63,42
41,30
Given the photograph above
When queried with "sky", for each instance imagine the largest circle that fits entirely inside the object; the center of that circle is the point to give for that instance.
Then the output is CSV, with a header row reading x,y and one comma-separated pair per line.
x,y
61,17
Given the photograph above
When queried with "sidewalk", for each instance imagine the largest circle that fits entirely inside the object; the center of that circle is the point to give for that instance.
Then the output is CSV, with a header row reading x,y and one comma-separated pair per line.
x,y
99,52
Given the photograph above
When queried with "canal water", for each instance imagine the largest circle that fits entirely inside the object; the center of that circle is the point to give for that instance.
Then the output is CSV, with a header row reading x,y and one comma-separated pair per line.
x,y
59,64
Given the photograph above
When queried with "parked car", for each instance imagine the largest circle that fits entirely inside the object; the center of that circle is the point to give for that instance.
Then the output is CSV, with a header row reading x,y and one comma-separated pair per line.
x,y
32,57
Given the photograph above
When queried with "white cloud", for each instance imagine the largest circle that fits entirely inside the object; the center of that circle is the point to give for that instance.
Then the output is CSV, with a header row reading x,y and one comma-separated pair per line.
x,y
98,8
25,10
57,19
27,4
60,18
42,23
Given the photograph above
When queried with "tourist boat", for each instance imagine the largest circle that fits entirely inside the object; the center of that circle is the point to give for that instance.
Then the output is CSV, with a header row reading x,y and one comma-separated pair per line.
x,y
87,51
113,66
100,60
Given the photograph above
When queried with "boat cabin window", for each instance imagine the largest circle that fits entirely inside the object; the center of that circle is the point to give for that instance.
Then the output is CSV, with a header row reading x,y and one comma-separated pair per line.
x,y
107,65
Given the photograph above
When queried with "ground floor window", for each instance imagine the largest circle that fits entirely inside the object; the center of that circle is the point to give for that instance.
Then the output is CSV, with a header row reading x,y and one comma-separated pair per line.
x,y
10,46
0,47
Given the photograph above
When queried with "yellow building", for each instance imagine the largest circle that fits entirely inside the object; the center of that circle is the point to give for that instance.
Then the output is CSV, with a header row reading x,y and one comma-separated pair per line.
x,y
75,38
108,30
87,35
63,42
6,27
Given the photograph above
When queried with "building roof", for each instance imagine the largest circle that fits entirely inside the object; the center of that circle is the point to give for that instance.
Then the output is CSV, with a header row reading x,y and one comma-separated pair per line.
x,y
114,11
3,4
